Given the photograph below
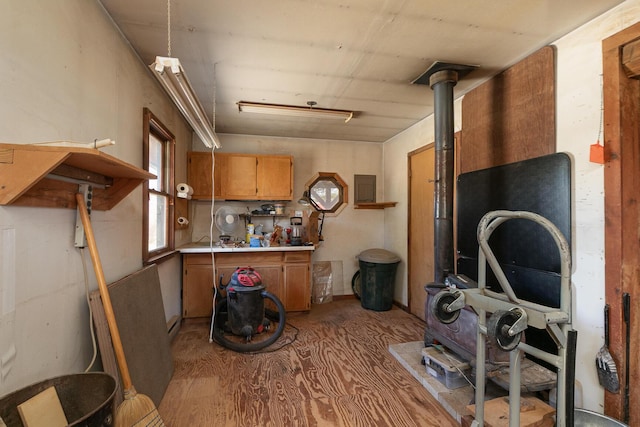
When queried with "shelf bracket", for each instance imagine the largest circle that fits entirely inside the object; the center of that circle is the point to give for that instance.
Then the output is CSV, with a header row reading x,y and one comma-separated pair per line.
x,y
80,240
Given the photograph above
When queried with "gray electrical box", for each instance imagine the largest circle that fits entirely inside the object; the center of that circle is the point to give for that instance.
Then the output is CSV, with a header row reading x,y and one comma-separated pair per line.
x,y
364,188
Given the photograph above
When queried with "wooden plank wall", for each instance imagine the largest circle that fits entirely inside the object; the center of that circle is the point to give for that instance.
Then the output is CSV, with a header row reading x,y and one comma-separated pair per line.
x,y
512,116
622,213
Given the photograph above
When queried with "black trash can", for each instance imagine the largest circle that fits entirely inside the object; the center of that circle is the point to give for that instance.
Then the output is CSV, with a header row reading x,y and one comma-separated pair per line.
x,y
377,278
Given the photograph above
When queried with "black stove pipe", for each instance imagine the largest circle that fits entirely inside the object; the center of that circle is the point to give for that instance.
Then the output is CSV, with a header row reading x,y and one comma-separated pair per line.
x,y
442,83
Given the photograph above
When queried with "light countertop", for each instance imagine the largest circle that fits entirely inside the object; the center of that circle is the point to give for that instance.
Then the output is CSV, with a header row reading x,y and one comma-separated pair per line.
x,y
203,247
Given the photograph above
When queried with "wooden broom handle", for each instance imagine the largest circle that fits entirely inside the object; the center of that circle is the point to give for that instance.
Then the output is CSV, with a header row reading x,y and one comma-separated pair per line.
x,y
104,293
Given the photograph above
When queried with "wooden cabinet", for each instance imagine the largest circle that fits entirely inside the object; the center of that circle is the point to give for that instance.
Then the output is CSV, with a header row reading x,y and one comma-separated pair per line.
x,y
199,175
285,274
241,176
296,293
197,285
275,178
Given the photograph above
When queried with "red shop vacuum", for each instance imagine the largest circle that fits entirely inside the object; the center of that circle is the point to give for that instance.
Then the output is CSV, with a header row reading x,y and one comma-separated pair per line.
x,y
241,321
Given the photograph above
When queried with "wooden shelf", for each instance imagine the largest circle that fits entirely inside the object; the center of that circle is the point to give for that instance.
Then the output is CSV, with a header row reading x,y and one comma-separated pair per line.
x,y
272,216
244,214
48,176
380,205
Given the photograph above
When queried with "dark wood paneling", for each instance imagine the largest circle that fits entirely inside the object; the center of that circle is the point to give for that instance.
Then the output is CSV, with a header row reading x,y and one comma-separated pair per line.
x,y
622,235
512,116
631,59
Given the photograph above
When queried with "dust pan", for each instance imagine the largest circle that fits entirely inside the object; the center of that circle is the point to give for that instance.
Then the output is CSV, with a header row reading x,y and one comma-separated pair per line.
x,y
606,366
136,409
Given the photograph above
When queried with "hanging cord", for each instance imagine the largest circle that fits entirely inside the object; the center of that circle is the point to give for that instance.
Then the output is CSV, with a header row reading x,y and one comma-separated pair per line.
x,y
213,262
86,291
601,110
213,118
212,214
169,28
596,151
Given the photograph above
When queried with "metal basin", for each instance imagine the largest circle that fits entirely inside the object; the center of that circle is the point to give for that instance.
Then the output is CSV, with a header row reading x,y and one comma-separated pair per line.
x,y
584,418
87,399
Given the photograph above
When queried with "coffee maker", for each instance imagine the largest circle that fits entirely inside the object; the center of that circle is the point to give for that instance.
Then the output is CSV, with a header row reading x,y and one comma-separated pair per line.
x,y
296,231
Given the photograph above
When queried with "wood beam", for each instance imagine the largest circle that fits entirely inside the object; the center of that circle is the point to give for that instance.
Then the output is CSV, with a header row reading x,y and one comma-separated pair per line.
x,y
622,212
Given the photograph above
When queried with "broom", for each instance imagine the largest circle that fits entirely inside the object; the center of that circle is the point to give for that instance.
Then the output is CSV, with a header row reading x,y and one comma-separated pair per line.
x,y
136,409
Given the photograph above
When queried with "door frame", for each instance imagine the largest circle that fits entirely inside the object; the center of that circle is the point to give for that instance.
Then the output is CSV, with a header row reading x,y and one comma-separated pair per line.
x,y
622,210
457,144
410,235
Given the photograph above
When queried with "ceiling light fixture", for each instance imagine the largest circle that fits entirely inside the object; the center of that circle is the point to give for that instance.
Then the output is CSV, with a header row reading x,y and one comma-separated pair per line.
x,y
294,110
172,77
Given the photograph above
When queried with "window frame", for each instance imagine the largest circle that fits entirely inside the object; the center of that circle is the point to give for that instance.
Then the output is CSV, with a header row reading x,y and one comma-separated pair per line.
x,y
153,126
334,178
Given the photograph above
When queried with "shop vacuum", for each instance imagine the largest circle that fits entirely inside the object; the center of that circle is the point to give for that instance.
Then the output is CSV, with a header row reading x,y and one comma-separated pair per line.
x,y
241,322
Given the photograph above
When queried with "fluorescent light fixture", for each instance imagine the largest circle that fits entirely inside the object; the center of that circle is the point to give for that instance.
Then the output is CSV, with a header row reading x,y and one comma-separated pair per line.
x,y
294,110
171,75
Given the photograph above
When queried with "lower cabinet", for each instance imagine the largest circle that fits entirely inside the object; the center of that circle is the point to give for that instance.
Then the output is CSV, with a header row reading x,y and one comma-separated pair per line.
x,y
296,292
197,285
285,274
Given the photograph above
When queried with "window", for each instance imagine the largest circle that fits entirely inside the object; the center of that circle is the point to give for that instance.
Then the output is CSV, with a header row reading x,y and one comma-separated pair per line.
x,y
328,192
158,155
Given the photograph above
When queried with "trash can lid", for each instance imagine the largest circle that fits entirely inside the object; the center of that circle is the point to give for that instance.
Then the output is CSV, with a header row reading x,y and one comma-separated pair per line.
x,y
378,256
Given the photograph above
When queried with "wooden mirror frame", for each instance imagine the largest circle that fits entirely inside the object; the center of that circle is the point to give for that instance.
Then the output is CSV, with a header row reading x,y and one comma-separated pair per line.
x,y
335,179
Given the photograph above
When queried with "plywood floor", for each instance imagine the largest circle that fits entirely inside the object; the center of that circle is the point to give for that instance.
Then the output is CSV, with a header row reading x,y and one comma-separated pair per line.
x,y
332,368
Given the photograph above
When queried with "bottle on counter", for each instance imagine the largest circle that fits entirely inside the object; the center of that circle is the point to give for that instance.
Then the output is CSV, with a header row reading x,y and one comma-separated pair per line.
x,y
250,231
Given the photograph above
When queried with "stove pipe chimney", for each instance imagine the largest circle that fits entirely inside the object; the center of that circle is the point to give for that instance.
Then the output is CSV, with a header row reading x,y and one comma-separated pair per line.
x,y
442,83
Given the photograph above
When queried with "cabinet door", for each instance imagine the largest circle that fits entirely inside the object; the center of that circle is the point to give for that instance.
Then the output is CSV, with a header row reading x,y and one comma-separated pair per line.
x,y
297,287
199,175
240,177
275,177
197,291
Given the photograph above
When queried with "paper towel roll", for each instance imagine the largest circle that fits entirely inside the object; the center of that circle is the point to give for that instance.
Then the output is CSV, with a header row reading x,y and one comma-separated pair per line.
x,y
184,190
183,221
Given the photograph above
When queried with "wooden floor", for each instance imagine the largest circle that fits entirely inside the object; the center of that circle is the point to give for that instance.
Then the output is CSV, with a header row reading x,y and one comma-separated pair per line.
x,y
331,367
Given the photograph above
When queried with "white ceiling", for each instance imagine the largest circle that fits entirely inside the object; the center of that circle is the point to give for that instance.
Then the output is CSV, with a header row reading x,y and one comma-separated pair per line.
x,y
359,55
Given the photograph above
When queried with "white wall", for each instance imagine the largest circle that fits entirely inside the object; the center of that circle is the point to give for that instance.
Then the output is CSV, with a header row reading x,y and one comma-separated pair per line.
x,y
396,186
579,103
579,69
346,234
66,74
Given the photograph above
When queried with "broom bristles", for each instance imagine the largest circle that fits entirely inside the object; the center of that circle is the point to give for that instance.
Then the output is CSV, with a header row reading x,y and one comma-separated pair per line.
x,y
137,410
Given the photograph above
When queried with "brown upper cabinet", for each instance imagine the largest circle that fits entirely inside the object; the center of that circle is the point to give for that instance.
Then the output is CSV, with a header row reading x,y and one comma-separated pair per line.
x,y
241,176
199,175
